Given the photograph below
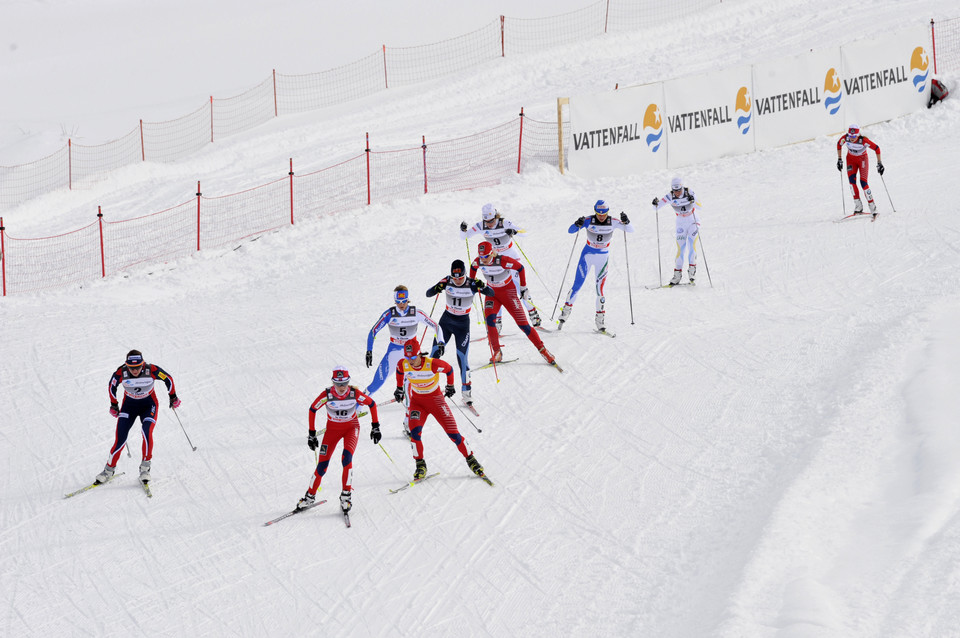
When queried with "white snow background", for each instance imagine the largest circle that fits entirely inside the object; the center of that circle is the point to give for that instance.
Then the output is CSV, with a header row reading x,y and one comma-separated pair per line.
x,y
775,454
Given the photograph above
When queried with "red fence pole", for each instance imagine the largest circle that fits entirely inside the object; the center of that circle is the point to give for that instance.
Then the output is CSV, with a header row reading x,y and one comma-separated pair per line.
x,y
520,150
143,151
3,258
103,263
368,168
424,147
275,93
69,164
211,121
503,53
198,216
933,39
386,84
291,191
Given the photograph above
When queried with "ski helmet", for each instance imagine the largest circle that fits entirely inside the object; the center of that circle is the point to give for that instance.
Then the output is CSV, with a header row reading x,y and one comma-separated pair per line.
x,y
854,130
134,361
411,348
601,207
676,184
485,248
340,376
489,212
457,268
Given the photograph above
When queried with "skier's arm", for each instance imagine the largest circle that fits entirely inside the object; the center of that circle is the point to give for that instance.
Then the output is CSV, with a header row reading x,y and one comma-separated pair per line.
x,y
368,401
423,318
159,373
377,327
115,381
318,403
438,288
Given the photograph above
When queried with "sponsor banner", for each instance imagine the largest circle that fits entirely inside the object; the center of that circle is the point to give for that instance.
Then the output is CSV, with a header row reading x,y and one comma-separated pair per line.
x,y
886,77
709,116
618,133
797,99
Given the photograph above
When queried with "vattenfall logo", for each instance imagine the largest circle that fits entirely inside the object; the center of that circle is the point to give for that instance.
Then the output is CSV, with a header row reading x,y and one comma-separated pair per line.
x,y
653,127
832,92
918,69
744,108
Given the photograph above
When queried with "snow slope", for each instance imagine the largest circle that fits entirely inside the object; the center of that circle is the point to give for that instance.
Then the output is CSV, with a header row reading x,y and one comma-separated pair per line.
x,y
770,455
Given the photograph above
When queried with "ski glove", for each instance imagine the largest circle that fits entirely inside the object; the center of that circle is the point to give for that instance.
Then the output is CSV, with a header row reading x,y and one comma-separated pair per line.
x,y
449,391
375,432
839,164
880,167
440,347
579,222
623,218
440,286
524,293
369,358
463,227
174,401
114,409
656,201
312,441
510,232
398,395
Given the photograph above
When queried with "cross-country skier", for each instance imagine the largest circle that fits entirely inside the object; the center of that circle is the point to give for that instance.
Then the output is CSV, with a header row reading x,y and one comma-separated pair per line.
x,y
402,319
499,232
422,377
499,273
595,254
139,401
341,401
858,162
684,204
459,291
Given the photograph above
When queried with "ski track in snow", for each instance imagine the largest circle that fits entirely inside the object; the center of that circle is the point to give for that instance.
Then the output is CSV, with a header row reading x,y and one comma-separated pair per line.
x,y
770,455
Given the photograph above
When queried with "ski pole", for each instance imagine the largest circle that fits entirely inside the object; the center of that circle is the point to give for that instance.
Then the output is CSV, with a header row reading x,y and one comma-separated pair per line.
x,y
385,452
629,287
184,430
457,405
656,210
547,288
887,191
565,271
705,265
843,195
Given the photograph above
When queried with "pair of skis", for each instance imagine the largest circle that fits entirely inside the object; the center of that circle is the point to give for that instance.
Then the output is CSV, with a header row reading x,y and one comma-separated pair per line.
x,y
872,216
144,484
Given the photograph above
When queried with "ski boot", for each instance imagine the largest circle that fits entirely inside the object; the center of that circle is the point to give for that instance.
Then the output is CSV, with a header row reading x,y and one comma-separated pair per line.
x,y
421,470
345,504
546,355
474,465
677,274
105,475
467,396
308,500
145,472
601,321
534,317
857,206
564,314
497,357
692,272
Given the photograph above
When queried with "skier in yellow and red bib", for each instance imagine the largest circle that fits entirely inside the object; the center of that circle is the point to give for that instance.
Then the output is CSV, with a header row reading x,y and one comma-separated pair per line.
x,y
423,375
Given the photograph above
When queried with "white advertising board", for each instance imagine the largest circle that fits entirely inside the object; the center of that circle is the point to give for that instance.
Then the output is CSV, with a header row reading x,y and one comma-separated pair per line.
x,y
619,133
887,76
709,116
798,98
